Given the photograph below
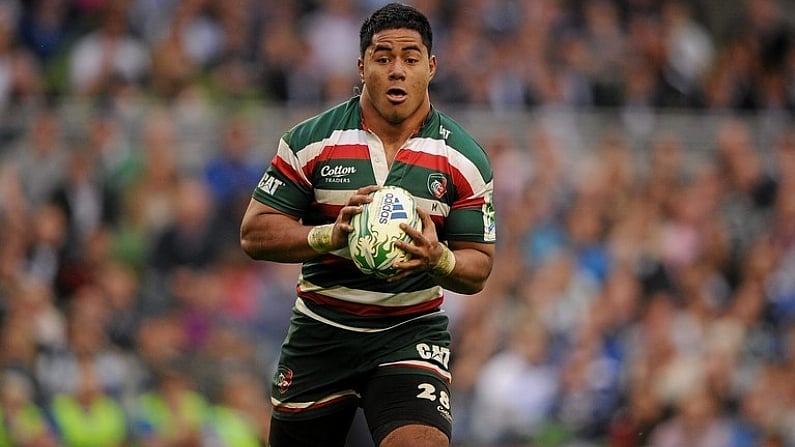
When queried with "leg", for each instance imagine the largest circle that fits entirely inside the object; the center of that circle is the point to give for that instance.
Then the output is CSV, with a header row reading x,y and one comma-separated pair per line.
x,y
415,435
312,392
326,431
411,410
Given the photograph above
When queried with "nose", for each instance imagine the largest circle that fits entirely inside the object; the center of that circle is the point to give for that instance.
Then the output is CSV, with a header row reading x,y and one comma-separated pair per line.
x,y
397,71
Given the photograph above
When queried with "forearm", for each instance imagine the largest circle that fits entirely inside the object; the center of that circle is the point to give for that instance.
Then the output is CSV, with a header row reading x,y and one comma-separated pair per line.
x,y
472,268
463,267
286,244
267,235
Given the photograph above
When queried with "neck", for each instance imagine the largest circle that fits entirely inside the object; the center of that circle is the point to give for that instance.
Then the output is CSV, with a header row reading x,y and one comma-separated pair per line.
x,y
392,133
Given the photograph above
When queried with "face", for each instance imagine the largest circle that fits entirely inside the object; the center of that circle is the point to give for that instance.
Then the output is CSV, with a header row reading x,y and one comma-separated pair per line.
x,y
396,70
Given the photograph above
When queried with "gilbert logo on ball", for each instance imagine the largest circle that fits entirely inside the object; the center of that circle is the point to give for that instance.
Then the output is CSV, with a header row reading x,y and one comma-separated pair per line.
x,y
377,227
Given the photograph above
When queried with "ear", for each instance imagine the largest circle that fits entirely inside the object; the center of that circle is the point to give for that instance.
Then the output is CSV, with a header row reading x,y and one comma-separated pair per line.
x,y
360,69
432,66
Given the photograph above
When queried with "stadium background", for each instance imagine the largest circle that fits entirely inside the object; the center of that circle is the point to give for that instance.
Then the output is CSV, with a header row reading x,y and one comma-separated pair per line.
x,y
644,154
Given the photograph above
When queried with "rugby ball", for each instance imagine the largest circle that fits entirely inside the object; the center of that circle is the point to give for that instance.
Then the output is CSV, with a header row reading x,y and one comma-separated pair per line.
x,y
377,227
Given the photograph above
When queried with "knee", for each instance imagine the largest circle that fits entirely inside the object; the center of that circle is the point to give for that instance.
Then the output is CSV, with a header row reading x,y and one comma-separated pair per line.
x,y
415,435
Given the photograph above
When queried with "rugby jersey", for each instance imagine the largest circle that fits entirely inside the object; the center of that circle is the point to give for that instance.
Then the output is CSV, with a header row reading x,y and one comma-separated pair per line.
x,y
322,161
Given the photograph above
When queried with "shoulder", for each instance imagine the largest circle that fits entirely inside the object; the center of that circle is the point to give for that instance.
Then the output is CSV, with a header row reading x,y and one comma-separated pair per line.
x,y
343,116
457,138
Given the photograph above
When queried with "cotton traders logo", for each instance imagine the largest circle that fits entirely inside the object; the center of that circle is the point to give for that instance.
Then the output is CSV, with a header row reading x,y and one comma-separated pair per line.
x,y
337,174
437,185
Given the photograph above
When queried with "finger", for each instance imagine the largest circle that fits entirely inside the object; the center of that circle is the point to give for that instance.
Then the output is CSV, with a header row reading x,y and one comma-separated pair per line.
x,y
411,231
367,190
406,270
408,248
427,222
397,277
346,214
359,199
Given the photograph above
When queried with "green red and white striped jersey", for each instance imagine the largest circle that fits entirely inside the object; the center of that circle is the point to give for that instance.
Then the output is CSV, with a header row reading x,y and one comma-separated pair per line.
x,y
322,161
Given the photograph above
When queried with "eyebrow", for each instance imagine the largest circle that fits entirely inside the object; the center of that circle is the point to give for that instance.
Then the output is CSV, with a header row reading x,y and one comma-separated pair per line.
x,y
384,47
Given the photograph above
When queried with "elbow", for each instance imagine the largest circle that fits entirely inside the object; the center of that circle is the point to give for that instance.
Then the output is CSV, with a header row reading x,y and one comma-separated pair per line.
x,y
469,286
247,248
474,288
477,285
248,245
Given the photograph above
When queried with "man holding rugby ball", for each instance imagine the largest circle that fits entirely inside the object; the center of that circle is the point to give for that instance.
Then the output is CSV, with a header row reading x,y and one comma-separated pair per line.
x,y
357,340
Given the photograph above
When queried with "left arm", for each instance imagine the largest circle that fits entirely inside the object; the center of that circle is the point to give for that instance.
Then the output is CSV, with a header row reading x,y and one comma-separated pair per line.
x,y
472,260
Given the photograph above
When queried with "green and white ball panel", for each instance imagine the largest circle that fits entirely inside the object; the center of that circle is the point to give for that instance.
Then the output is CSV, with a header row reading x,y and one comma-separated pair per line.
x,y
377,227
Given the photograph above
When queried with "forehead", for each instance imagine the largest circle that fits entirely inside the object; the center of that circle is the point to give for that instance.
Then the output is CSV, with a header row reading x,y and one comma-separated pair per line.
x,y
397,39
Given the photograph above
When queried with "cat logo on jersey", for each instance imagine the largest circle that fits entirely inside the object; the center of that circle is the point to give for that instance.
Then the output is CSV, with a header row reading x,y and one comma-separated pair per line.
x,y
437,184
269,184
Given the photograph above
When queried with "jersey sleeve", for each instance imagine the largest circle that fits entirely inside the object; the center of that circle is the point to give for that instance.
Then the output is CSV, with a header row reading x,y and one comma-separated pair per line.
x,y
472,216
285,186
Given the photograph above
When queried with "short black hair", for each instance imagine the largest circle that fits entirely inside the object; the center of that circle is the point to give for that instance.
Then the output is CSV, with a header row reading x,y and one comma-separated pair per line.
x,y
394,16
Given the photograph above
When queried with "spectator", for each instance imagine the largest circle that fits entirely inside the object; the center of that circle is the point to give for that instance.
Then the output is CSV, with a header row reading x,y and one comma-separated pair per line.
x,y
241,417
44,28
231,172
87,417
188,244
332,21
516,390
88,354
40,156
86,202
698,423
689,50
108,54
23,422
233,72
46,245
21,78
171,414
121,285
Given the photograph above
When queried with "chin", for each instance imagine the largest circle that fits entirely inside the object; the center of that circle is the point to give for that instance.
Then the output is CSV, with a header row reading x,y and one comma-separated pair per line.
x,y
396,113
395,118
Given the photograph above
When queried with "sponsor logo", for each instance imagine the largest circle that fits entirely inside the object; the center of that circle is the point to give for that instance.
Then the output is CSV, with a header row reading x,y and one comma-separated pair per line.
x,y
337,174
437,184
439,354
391,209
284,378
489,220
269,184
443,132
445,413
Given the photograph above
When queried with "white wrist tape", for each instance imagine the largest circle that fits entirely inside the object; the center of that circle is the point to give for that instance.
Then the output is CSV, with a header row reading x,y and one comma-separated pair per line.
x,y
446,263
319,238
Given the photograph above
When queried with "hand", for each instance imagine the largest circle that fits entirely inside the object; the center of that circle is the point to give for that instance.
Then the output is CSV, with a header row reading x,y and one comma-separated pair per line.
x,y
425,248
342,226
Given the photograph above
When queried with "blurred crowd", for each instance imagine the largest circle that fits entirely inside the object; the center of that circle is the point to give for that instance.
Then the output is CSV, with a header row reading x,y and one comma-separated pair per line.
x,y
503,54
635,301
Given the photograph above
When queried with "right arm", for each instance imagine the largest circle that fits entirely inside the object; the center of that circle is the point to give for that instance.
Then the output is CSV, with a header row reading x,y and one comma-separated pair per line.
x,y
270,235
267,234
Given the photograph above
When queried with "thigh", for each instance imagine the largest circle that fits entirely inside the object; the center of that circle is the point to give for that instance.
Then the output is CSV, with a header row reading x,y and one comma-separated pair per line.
x,y
415,405
329,430
314,376
415,436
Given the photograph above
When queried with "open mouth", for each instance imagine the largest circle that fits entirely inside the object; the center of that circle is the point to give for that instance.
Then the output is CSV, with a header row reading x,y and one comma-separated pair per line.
x,y
396,94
